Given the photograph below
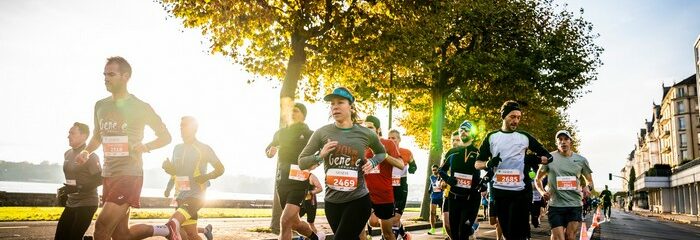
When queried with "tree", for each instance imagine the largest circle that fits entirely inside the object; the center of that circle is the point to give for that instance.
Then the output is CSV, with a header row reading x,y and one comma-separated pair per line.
x,y
275,39
479,53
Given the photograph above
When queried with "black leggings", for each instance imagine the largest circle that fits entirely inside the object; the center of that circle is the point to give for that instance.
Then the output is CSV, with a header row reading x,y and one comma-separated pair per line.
x,y
606,210
348,219
463,212
74,222
514,214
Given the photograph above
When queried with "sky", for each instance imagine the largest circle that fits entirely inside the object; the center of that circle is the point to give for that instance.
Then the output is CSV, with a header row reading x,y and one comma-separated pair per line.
x,y
52,55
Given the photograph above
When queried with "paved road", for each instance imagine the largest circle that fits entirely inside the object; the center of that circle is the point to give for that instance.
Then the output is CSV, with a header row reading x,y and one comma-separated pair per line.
x,y
629,226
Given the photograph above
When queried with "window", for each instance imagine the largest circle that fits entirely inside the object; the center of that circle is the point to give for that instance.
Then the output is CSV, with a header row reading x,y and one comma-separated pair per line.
x,y
684,155
681,92
681,107
684,140
681,123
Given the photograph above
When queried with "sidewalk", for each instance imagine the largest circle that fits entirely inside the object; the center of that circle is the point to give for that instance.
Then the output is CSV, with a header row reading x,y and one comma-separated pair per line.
x,y
679,218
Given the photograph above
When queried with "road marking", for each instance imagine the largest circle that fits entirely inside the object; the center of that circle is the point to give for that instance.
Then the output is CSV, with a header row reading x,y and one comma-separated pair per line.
x,y
488,232
14,227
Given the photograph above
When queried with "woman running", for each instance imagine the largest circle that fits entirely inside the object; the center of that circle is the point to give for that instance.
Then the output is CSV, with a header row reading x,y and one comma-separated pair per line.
x,y
340,146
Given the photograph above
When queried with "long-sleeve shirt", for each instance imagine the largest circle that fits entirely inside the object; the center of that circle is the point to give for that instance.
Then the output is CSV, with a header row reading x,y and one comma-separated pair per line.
x,y
343,166
459,172
86,175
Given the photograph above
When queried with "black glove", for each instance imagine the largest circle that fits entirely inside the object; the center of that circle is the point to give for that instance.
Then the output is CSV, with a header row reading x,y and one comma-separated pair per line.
x,y
451,181
61,196
484,183
201,179
412,167
494,161
70,188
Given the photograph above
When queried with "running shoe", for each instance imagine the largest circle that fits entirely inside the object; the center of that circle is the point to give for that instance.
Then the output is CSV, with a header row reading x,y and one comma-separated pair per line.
x,y
174,230
209,235
475,226
431,231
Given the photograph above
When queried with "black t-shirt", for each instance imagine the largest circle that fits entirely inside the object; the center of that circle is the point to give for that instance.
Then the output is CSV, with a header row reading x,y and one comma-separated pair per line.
x,y
461,167
290,141
607,196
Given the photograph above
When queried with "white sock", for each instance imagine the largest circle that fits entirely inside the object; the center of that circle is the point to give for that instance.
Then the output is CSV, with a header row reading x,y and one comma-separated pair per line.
x,y
177,223
160,230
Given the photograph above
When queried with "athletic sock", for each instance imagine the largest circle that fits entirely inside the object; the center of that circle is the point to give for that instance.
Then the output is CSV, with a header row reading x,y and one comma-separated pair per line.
x,y
161,230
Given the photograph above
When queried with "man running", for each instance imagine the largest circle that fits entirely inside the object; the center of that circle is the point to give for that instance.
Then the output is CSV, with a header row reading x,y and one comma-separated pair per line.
x,y
81,186
379,182
456,142
459,172
399,180
606,195
435,191
564,172
504,149
292,182
189,166
119,123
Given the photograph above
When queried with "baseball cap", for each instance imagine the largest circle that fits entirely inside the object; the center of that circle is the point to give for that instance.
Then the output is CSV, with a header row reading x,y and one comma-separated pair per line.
x,y
466,125
340,92
560,132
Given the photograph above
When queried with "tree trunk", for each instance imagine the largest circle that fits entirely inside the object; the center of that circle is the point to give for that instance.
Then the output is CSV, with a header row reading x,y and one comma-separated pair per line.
x,y
295,66
438,121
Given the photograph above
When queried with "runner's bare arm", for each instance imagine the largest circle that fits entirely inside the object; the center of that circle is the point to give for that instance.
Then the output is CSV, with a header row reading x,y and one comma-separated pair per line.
x,y
480,165
541,173
398,163
317,185
589,181
95,142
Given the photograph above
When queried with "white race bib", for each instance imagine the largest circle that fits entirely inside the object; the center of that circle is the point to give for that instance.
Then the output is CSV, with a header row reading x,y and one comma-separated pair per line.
x,y
436,187
567,183
507,177
295,173
182,183
464,180
395,180
115,146
374,170
344,180
71,182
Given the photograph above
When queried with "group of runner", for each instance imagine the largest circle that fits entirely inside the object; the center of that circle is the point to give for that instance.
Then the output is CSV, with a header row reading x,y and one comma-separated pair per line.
x,y
119,122
366,175
512,189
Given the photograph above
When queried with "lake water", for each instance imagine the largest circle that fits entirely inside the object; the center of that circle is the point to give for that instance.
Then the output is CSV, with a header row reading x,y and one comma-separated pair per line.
x,y
35,187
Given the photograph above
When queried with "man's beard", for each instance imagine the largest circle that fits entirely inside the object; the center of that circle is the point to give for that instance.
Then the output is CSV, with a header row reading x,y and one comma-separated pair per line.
x,y
466,139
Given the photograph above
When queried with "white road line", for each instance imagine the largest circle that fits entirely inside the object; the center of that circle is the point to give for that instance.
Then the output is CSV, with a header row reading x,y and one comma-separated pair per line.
x,y
488,232
13,227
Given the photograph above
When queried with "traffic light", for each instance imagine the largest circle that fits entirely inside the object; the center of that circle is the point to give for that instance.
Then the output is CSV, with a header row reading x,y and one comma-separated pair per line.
x,y
610,176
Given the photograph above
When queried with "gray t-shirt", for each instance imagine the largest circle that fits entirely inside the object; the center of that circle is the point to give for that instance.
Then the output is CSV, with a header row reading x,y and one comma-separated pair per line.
x,y
120,124
191,160
81,174
563,179
344,176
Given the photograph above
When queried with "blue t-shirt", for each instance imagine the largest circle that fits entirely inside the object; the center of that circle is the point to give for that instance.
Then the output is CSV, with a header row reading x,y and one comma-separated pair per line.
x,y
435,189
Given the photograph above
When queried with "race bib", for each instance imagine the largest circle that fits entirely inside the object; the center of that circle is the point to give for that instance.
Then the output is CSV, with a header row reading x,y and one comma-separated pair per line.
x,y
115,146
71,182
437,188
295,173
508,177
536,196
464,180
567,183
182,183
344,180
395,180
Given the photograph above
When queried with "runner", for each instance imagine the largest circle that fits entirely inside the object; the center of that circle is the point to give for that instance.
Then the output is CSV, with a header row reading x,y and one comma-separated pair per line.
x,y
435,190
292,182
493,213
379,182
119,123
538,204
485,204
80,187
504,150
459,172
456,142
564,172
400,183
189,164
207,231
606,195
340,146
310,204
